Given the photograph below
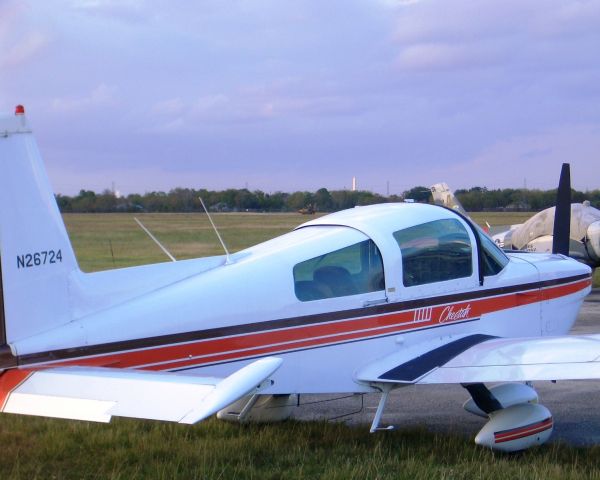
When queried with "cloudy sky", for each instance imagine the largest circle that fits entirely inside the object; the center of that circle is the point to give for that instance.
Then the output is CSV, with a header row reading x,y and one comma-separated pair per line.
x,y
276,95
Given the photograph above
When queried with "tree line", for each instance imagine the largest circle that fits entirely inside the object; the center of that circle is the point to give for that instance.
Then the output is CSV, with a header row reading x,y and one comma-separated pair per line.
x,y
241,200
479,199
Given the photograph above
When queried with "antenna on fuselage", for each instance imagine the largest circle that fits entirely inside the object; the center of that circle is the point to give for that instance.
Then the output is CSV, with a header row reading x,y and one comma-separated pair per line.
x,y
155,240
562,213
227,259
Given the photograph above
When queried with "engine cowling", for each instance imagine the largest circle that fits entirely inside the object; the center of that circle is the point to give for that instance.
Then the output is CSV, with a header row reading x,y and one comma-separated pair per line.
x,y
508,394
516,428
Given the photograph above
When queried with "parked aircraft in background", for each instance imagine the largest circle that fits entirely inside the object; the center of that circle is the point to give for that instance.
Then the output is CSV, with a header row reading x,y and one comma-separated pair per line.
x,y
364,300
536,234
442,195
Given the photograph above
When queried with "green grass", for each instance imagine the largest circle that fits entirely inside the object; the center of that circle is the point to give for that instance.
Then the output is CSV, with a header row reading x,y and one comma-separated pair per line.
x,y
501,218
184,235
114,240
39,448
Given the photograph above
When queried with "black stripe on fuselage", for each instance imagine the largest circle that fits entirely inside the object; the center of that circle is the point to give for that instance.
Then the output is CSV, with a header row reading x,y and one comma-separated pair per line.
x,y
256,327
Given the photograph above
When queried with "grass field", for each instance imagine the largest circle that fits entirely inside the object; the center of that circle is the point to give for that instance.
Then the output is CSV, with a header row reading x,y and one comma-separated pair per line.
x,y
39,448
114,240
500,218
185,235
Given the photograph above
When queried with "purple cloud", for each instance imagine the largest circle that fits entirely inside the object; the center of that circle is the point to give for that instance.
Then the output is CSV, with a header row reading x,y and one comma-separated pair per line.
x,y
297,96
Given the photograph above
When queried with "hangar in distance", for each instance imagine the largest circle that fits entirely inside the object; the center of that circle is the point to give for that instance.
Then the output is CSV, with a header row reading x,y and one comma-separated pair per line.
x,y
364,300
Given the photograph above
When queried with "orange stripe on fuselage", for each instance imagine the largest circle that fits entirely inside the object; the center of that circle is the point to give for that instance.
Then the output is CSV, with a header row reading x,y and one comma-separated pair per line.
x,y
9,381
208,351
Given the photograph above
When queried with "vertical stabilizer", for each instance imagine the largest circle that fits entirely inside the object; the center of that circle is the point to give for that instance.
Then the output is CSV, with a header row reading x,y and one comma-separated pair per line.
x,y
442,195
36,256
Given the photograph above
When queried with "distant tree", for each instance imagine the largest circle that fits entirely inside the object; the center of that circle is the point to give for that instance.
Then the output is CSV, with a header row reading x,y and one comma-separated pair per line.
x,y
323,200
84,202
132,203
244,200
187,199
64,203
368,198
418,194
106,202
298,200
343,199
276,202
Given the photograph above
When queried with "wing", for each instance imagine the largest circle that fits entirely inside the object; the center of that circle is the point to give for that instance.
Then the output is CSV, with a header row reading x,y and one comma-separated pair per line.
x,y
97,394
481,358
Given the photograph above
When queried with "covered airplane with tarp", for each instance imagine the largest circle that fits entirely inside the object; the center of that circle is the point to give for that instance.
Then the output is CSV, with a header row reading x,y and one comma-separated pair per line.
x,y
537,233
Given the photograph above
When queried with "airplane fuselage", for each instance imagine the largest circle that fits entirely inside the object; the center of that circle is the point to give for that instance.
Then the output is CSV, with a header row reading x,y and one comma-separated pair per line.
x,y
367,299
215,321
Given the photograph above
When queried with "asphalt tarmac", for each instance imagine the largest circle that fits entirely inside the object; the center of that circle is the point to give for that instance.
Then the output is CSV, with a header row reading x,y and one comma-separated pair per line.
x,y
574,404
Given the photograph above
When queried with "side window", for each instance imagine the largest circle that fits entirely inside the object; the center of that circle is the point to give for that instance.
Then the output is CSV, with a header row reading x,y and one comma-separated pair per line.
x,y
348,271
494,259
434,252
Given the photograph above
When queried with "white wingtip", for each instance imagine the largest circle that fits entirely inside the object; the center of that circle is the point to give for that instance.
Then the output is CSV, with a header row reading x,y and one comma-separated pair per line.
x,y
249,379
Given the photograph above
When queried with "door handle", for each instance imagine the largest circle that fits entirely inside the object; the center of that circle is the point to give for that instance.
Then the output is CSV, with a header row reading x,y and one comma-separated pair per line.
x,y
379,301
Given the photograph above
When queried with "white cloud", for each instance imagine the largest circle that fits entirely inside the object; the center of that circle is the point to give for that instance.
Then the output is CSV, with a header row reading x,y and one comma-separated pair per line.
x,y
123,10
440,56
172,106
9,12
211,103
176,125
101,96
398,88
531,158
19,42
280,99
23,49
573,18
398,3
442,35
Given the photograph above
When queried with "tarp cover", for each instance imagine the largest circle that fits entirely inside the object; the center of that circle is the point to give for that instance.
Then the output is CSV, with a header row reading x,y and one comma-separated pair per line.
x,y
542,224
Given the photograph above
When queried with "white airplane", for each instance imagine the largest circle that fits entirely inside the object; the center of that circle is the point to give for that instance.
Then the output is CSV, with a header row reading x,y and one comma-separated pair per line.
x,y
364,300
537,233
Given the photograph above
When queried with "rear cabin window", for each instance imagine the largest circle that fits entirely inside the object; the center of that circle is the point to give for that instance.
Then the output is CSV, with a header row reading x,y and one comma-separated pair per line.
x,y
434,252
347,271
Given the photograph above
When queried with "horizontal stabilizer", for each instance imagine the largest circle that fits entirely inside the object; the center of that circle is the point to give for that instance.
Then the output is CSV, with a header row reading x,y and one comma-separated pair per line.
x,y
480,359
97,394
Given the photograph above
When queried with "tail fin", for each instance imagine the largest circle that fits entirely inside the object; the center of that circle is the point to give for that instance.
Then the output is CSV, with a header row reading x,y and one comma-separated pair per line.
x,y
442,195
36,256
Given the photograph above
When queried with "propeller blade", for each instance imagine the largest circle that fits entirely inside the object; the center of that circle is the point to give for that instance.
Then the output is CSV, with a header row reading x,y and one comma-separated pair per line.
x,y
562,214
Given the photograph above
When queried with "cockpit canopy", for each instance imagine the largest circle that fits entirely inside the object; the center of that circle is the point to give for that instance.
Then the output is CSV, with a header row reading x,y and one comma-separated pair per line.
x,y
435,250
